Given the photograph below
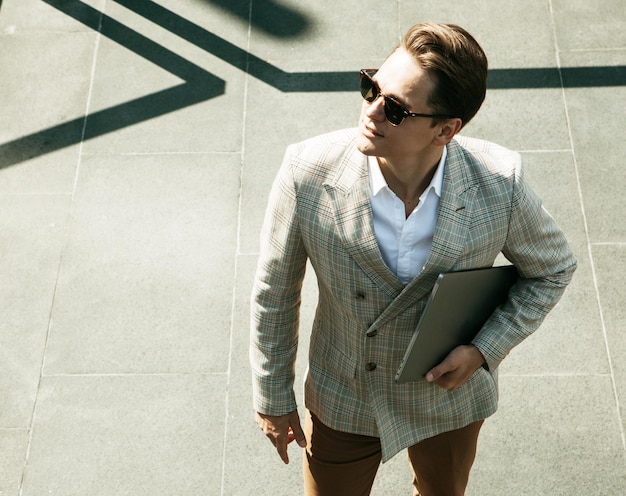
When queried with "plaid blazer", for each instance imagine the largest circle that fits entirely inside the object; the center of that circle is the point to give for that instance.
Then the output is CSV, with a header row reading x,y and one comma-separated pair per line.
x,y
319,210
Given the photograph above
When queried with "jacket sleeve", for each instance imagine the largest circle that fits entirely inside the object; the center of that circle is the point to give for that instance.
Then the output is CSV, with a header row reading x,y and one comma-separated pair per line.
x,y
537,247
275,299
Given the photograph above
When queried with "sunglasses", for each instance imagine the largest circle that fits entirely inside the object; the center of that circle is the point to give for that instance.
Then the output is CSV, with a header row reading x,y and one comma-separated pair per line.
x,y
395,112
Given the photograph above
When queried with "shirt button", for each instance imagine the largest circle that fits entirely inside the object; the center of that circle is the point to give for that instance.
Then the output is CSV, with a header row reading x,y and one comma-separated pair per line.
x,y
371,334
370,367
360,296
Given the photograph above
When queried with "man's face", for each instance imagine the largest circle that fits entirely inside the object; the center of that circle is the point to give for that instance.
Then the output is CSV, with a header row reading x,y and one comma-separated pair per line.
x,y
402,78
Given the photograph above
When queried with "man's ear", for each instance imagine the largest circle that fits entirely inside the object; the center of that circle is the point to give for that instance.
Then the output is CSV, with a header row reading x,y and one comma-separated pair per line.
x,y
447,130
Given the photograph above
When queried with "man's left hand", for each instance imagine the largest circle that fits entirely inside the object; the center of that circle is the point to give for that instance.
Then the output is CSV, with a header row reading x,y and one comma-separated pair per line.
x,y
457,367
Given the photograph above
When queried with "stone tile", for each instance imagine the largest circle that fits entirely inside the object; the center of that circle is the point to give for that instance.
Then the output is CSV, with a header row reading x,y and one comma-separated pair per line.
x,y
140,435
53,85
552,435
593,59
394,477
599,154
324,32
49,173
33,232
240,365
599,160
42,15
553,176
144,282
610,261
13,445
586,25
161,63
522,119
43,105
227,19
501,27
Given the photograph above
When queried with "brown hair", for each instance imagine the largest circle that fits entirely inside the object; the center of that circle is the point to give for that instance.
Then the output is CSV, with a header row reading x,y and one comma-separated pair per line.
x,y
456,62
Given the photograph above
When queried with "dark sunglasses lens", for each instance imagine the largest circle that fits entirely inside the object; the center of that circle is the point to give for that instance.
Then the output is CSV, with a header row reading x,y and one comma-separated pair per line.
x,y
369,90
393,111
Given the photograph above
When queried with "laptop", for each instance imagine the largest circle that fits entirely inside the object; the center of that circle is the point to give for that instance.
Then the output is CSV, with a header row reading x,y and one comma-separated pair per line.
x,y
459,305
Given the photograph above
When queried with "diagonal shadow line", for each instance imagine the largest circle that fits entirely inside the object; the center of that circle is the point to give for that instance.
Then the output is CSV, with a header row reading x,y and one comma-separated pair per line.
x,y
152,51
103,122
238,57
129,39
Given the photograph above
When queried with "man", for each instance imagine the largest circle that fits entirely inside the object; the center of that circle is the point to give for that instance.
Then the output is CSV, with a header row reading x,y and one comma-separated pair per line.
x,y
380,211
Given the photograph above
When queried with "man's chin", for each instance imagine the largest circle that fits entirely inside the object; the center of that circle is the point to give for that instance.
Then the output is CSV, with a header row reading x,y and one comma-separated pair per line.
x,y
365,146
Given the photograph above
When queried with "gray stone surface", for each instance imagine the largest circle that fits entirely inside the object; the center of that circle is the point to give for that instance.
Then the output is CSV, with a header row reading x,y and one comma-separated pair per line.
x,y
138,142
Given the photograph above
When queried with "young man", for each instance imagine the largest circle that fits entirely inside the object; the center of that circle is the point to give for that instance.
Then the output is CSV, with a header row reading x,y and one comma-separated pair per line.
x,y
380,211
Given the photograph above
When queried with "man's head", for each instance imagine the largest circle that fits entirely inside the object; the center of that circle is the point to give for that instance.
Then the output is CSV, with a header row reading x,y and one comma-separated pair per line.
x,y
422,95
456,63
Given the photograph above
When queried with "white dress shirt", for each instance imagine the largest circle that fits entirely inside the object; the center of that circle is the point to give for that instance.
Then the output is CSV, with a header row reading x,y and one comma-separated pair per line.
x,y
404,243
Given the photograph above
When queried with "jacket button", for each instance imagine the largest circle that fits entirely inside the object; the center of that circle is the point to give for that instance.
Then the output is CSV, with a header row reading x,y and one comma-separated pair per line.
x,y
370,366
360,296
372,333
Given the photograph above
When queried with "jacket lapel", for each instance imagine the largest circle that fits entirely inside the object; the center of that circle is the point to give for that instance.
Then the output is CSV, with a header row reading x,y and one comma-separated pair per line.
x,y
349,194
455,211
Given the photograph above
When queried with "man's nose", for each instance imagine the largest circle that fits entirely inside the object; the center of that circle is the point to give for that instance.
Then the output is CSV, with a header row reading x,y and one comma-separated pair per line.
x,y
376,109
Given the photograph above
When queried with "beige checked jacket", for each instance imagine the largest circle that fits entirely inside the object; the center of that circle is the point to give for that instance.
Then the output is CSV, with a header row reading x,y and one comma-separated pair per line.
x,y
319,210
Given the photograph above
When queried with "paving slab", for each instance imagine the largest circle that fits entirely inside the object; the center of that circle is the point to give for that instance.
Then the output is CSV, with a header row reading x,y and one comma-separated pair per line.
x,y
33,233
149,237
143,435
38,16
558,435
32,103
588,26
13,448
610,260
503,29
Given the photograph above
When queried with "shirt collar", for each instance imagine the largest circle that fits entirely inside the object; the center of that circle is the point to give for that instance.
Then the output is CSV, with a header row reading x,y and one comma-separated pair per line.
x,y
437,181
377,180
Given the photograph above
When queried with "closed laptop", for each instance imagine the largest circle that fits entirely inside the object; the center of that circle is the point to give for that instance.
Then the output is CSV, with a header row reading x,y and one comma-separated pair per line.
x,y
459,305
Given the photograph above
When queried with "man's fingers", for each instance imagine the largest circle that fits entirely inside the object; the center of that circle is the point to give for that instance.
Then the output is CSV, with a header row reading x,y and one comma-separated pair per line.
x,y
436,372
296,430
444,374
298,436
457,368
281,448
281,430
432,375
279,441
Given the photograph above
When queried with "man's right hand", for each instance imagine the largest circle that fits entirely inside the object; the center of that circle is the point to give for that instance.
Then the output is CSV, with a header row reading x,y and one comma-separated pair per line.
x,y
281,430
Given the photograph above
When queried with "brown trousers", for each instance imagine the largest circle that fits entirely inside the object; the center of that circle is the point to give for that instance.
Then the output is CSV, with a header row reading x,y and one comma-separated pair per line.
x,y
338,463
